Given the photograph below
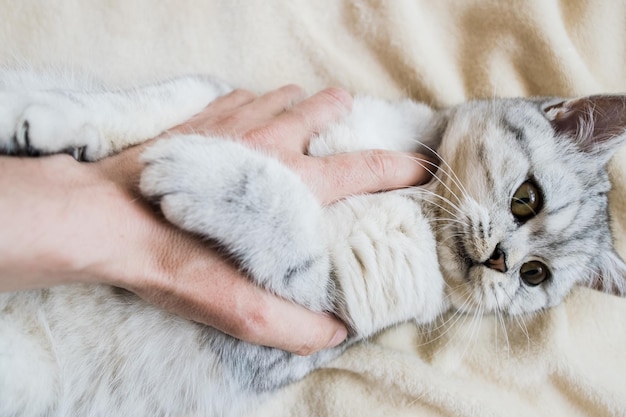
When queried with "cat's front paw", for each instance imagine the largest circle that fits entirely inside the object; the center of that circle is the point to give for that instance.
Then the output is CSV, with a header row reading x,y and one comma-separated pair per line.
x,y
33,129
43,129
255,207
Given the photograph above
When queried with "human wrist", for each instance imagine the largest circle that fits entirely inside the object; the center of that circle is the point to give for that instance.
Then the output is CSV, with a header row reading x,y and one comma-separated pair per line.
x,y
36,196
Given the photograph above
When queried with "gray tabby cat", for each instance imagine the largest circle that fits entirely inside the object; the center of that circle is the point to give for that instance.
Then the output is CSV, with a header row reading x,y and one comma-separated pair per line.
x,y
515,217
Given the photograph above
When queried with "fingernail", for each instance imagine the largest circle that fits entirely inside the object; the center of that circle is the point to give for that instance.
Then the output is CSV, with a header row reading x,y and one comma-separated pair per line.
x,y
339,336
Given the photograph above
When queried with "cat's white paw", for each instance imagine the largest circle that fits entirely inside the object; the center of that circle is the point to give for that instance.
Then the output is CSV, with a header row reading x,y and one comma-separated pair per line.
x,y
255,207
43,129
36,127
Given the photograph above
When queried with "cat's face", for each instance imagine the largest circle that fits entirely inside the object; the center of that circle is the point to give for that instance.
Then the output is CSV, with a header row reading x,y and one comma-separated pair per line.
x,y
526,204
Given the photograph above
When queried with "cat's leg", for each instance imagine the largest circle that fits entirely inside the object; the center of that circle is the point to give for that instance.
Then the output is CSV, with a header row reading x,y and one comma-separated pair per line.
x,y
94,124
384,261
253,206
35,123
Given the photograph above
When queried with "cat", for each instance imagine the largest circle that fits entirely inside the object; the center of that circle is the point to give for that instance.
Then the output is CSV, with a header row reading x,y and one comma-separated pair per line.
x,y
514,217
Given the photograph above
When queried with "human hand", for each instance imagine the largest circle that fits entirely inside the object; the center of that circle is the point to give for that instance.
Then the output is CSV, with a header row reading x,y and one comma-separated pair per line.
x,y
280,123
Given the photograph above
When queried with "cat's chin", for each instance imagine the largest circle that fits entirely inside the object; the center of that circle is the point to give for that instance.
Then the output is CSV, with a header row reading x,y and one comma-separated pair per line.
x,y
459,289
470,287
470,290
460,292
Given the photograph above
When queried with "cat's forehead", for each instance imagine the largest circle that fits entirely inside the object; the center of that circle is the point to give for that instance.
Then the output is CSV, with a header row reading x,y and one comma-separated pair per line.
x,y
518,116
515,139
497,145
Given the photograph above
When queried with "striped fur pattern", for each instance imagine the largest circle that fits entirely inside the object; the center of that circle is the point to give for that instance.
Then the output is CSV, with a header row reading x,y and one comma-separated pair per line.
x,y
515,216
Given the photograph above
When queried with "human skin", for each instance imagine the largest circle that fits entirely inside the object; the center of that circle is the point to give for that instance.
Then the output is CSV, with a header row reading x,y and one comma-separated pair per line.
x,y
67,222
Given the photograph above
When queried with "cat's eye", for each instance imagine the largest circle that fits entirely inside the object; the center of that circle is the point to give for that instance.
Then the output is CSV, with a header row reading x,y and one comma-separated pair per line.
x,y
534,273
526,202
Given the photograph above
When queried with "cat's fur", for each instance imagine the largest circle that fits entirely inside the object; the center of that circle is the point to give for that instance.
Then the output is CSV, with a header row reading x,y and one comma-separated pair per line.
x,y
373,260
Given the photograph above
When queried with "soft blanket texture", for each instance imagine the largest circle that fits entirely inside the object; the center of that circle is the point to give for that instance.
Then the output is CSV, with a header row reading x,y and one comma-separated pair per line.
x,y
569,361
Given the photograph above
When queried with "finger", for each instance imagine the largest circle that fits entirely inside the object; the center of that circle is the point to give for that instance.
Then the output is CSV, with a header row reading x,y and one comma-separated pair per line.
x,y
277,101
294,127
341,175
220,108
250,313
213,113
258,117
232,100
272,321
212,291
221,298
253,114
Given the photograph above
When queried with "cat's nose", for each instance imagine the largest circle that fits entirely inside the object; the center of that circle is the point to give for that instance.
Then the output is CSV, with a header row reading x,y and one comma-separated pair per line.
x,y
497,260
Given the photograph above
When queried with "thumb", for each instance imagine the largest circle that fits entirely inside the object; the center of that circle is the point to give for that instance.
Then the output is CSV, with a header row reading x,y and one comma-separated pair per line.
x,y
338,176
257,316
293,328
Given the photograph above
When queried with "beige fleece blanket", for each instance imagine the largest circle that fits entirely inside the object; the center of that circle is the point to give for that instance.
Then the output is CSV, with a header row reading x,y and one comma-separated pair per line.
x,y
570,361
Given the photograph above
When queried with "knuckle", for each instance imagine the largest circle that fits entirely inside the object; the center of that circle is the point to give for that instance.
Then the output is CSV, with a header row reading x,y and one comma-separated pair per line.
x,y
316,338
243,94
305,349
301,117
338,97
294,90
290,94
252,323
229,122
378,164
264,137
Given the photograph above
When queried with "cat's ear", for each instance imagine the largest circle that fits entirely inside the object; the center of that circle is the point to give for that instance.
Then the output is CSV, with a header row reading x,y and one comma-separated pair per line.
x,y
610,276
596,124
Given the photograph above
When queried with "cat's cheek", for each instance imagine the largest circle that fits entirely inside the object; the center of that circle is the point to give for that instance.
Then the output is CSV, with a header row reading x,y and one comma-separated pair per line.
x,y
459,286
451,268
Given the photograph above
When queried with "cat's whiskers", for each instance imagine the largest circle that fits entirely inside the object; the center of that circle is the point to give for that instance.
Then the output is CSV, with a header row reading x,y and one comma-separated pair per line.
x,y
479,317
444,322
462,313
424,163
447,220
449,323
472,322
428,165
451,174
521,322
474,327
520,319
433,194
456,182
500,320
451,236
454,216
